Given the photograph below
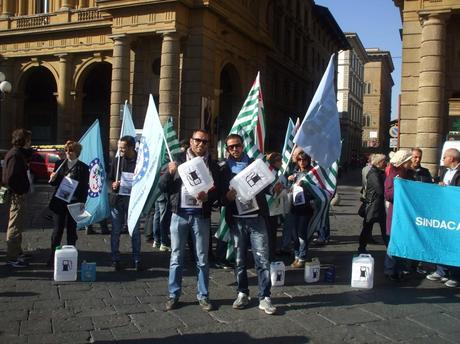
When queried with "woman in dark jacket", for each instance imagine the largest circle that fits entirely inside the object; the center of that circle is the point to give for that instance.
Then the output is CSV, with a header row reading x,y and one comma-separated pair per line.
x,y
77,171
375,202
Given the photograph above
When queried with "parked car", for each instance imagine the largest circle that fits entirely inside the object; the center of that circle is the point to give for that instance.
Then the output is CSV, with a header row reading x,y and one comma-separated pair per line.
x,y
42,162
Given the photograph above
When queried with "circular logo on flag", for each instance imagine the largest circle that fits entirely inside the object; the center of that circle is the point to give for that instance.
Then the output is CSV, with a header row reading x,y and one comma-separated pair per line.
x,y
96,178
142,162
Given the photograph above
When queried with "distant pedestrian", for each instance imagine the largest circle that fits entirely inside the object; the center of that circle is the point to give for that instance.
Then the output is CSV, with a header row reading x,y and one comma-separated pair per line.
x,y
15,178
71,178
374,201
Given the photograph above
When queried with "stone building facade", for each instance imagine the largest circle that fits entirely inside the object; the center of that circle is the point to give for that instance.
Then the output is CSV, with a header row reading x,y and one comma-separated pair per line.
x,y
377,101
71,61
350,89
430,85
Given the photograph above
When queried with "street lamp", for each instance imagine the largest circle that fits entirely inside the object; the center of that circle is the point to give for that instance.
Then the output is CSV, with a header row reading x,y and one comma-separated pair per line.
x,y
5,87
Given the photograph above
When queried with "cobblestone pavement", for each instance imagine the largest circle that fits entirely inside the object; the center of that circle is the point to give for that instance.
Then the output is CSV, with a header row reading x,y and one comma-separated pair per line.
x,y
127,307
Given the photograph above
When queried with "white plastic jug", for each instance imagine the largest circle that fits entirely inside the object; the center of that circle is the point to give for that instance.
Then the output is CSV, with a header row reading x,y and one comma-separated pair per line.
x,y
252,180
277,273
195,176
312,270
65,264
362,272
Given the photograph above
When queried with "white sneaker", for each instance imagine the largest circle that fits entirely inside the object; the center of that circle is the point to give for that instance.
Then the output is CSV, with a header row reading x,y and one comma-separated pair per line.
x,y
435,276
164,248
451,283
266,305
241,301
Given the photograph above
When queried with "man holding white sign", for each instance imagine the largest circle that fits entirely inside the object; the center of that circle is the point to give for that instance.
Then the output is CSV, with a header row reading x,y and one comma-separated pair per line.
x,y
190,215
247,221
121,176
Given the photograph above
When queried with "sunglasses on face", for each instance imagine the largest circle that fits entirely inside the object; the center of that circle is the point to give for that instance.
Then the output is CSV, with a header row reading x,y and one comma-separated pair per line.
x,y
231,147
302,159
198,141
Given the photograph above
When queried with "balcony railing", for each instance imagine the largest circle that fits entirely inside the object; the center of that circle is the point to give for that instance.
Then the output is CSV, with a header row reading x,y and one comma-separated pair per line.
x,y
88,14
32,21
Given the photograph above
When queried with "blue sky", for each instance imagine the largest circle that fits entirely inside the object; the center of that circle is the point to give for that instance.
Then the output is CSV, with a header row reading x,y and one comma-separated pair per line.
x,y
377,22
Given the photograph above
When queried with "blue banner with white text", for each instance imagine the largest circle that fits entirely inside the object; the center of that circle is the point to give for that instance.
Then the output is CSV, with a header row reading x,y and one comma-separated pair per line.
x,y
426,222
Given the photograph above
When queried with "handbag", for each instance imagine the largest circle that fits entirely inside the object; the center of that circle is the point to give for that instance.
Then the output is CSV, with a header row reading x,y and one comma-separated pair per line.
x,y
4,195
362,210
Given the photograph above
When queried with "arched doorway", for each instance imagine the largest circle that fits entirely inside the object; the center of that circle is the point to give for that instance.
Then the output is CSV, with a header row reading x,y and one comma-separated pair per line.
x,y
96,100
40,105
230,99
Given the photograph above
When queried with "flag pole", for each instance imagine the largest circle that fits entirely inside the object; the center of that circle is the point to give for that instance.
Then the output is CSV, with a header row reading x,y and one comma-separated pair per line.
x,y
121,131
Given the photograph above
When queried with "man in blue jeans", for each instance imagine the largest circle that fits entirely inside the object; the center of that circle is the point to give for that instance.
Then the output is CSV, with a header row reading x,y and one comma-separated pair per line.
x,y
248,227
190,215
121,176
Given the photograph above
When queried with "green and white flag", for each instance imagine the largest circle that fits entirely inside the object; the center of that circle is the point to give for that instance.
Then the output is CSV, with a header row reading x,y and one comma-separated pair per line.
x,y
250,125
171,140
288,146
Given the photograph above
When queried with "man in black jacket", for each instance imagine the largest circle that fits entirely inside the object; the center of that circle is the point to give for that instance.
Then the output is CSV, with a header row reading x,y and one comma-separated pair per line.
x,y
16,180
190,215
121,176
248,225
420,174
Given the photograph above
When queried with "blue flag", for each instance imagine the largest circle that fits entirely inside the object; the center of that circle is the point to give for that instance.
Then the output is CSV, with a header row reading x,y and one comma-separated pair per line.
x,y
97,203
148,164
127,125
319,133
426,222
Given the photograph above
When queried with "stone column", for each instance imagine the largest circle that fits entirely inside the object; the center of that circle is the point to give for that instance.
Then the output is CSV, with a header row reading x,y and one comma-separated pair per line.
x,y
169,77
67,4
119,86
431,88
7,9
63,125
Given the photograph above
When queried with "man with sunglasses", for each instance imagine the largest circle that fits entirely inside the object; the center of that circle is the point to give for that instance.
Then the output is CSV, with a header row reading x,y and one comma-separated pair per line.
x,y
248,226
186,220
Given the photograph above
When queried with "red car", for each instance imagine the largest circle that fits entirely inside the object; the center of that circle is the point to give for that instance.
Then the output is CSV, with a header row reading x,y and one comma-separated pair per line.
x,y
42,162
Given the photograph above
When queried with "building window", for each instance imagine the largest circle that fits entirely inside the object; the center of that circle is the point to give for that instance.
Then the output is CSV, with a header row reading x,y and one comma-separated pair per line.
x,y
41,6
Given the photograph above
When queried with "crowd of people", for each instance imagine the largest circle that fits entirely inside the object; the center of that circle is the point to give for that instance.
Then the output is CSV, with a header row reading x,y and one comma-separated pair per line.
x,y
178,219
377,204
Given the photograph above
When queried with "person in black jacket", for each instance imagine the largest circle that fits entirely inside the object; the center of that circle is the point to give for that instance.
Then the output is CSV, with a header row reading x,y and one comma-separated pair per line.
x,y
247,223
121,176
419,173
190,215
66,171
16,180
375,202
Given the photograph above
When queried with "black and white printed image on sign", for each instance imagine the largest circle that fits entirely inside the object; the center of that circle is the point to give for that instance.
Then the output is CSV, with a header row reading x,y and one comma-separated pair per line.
x,y
246,207
66,189
126,183
188,201
78,211
298,196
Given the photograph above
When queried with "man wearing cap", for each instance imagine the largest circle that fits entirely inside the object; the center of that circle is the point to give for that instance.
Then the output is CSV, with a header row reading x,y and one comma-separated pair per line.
x,y
449,175
400,164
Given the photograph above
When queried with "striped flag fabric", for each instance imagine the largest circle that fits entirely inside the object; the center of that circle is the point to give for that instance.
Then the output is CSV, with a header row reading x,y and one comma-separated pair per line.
x,y
250,125
321,184
251,118
171,139
288,146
